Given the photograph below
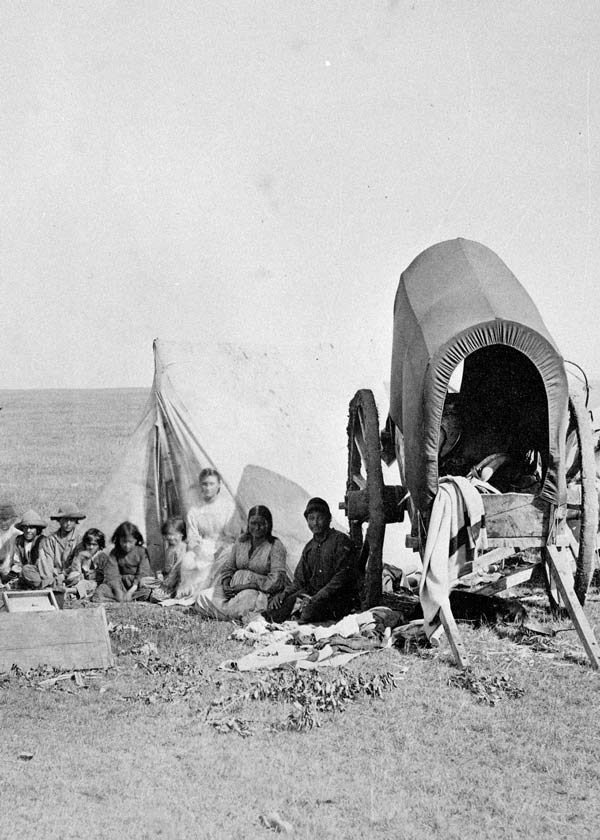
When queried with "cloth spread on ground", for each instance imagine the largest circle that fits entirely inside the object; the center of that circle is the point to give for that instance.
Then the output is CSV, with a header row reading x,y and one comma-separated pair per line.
x,y
310,646
455,536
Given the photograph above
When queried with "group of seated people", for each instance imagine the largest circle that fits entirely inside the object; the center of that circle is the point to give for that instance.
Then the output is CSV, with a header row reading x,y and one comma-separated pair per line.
x,y
205,563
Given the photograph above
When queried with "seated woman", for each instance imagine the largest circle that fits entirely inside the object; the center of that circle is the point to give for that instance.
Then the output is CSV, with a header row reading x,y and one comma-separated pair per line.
x,y
127,574
210,534
209,523
254,572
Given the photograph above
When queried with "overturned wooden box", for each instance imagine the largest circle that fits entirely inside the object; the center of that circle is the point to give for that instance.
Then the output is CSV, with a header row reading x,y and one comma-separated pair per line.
x,y
67,639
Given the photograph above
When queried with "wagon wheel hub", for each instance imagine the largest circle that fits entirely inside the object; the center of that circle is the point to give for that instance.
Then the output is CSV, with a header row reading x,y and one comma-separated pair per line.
x,y
356,504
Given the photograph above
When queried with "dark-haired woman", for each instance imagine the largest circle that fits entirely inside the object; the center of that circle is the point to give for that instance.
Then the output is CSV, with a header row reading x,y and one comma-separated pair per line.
x,y
254,571
127,573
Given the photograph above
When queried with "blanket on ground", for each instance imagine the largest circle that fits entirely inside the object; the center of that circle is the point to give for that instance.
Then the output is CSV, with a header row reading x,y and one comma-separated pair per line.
x,y
309,646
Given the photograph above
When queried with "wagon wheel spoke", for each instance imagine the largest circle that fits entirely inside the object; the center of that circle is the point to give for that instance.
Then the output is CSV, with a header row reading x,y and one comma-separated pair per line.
x,y
360,481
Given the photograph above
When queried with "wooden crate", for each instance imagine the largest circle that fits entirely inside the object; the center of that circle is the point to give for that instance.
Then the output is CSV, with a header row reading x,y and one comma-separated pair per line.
x,y
67,639
18,600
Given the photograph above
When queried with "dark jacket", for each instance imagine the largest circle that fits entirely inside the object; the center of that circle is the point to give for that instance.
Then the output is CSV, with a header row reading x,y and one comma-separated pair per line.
x,y
326,569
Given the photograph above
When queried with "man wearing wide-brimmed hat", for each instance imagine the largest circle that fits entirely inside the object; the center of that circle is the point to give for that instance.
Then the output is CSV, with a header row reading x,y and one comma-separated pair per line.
x,y
19,569
56,550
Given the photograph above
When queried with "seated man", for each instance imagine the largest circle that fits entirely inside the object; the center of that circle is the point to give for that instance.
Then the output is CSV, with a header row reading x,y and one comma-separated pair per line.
x,y
19,571
324,582
57,550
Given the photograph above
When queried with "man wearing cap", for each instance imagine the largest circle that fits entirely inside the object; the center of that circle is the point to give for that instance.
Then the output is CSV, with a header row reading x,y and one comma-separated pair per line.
x,y
324,585
19,569
56,550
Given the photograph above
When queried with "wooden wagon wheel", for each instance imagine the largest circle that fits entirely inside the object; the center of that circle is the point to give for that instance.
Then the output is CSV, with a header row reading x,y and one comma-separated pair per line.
x,y
365,493
580,422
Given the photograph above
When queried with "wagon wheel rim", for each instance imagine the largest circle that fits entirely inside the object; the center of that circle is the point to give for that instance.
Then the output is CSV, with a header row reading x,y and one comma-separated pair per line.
x,y
580,420
365,473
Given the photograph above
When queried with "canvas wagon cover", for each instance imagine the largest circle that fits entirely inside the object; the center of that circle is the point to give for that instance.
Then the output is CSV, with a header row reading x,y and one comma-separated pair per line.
x,y
455,298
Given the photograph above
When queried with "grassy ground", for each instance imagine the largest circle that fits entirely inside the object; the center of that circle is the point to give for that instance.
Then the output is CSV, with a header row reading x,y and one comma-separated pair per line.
x,y
143,751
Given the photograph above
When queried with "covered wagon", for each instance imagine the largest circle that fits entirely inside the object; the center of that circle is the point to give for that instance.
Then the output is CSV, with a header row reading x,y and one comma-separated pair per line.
x,y
479,393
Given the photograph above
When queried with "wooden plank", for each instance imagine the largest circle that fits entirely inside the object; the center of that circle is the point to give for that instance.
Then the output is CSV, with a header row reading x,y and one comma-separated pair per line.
x,y
451,630
564,581
496,555
66,639
517,544
484,561
516,515
516,577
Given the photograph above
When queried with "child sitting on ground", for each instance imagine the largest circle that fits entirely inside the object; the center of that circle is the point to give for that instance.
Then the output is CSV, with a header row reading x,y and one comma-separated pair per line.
x,y
192,570
127,573
87,567
174,531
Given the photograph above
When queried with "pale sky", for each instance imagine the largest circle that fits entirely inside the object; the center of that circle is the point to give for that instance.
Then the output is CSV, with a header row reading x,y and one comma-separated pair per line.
x,y
253,171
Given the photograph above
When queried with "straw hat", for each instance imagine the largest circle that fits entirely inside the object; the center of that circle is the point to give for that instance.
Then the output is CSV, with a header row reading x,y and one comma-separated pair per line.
x,y
68,511
30,519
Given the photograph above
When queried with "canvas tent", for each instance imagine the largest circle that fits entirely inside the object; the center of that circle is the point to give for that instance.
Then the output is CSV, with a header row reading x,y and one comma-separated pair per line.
x,y
272,421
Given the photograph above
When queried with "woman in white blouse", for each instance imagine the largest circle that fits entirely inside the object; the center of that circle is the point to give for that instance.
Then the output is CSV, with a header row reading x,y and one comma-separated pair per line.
x,y
210,535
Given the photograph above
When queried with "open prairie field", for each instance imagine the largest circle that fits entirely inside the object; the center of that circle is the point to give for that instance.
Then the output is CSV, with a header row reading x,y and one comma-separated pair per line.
x,y
164,745
60,446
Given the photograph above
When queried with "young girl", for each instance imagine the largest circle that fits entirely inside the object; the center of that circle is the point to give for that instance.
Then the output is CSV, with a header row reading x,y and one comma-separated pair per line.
x,y
174,531
127,572
87,567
